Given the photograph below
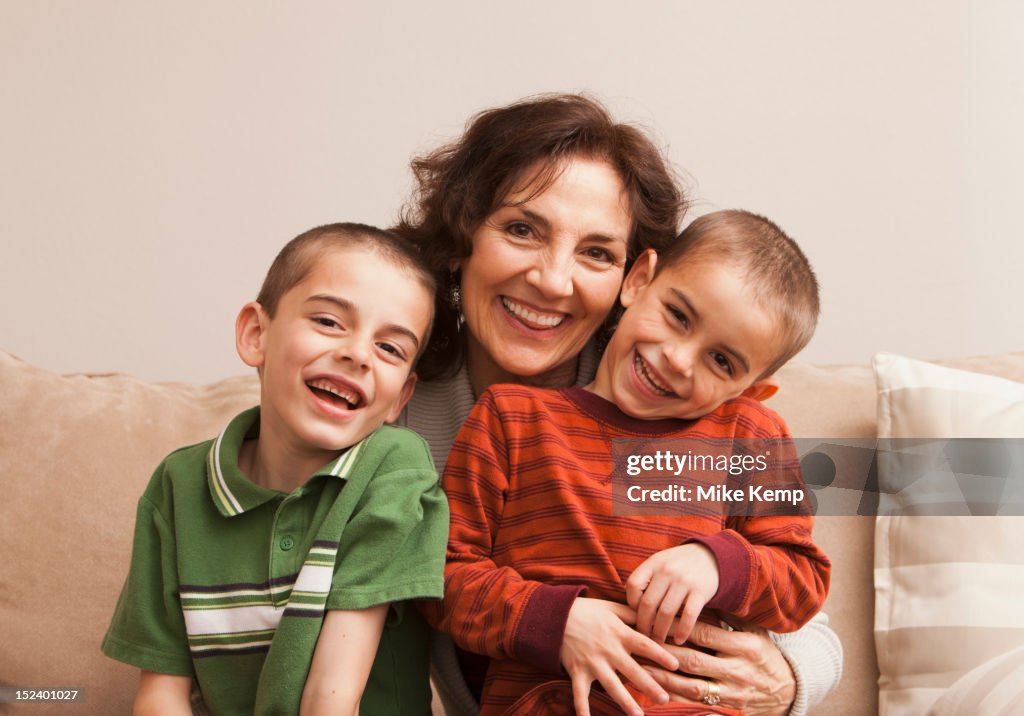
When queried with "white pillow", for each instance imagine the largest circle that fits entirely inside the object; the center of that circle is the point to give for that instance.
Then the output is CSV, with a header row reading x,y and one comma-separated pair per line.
x,y
948,590
996,688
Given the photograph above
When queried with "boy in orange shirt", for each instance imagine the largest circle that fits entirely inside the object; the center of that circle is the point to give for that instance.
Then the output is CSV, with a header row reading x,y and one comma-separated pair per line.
x,y
705,325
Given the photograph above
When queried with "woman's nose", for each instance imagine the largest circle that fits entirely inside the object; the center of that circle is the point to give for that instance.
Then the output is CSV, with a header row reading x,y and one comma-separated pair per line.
x,y
552,276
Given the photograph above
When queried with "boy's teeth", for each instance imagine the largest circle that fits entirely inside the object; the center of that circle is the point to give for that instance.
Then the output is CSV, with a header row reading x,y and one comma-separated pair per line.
x,y
540,319
641,369
345,394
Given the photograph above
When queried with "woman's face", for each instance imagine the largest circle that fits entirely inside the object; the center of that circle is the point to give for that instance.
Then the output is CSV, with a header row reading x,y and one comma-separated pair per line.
x,y
543,274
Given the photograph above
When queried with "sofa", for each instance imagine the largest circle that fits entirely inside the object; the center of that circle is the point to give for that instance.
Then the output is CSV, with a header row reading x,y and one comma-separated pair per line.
x,y
77,451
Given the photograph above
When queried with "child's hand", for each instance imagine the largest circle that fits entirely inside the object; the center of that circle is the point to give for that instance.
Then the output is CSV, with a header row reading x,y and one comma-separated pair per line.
x,y
598,645
684,577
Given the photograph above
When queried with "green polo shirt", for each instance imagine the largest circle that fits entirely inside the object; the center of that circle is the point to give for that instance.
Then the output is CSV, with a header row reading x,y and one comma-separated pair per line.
x,y
229,581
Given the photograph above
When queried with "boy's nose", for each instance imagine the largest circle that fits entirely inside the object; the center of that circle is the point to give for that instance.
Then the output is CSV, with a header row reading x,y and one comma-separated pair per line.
x,y
354,351
680,358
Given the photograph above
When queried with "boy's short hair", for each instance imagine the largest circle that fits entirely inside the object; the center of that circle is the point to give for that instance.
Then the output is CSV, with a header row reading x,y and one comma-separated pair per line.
x,y
295,261
775,268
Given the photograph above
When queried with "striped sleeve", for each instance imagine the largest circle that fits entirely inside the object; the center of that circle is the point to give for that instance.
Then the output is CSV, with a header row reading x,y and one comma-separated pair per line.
x,y
784,575
490,608
787,575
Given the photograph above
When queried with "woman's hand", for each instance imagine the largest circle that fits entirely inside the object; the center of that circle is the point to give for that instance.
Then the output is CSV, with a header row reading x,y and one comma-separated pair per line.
x,y
749,669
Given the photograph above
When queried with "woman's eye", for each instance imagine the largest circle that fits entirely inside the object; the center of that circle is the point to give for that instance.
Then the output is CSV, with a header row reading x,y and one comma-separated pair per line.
x,y
599,254
723,362
520,229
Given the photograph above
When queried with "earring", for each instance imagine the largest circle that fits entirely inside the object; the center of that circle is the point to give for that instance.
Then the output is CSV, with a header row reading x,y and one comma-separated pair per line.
x,y
455,291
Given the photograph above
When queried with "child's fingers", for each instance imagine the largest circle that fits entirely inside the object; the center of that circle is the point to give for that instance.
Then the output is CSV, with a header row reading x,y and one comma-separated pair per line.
x,y
642,679
647,610
618,692
625,614
581,695
647,648
667,612
691,610
637,583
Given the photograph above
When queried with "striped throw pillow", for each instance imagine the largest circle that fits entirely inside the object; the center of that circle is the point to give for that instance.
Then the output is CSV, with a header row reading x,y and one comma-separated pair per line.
x,y
948,590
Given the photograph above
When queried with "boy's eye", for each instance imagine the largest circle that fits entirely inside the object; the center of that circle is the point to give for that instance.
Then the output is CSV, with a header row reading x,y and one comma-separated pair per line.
x,y
392,349
327,322
723,362
678,315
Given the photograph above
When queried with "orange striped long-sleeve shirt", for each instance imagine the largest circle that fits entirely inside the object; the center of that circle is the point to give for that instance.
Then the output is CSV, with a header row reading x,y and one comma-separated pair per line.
x,y
532,527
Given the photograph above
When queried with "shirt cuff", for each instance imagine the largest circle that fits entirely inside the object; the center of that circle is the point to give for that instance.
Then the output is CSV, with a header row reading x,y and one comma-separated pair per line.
x,y
538,640
816,658
730,552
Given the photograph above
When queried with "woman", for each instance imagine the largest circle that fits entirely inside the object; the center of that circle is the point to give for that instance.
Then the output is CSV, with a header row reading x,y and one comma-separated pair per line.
x,y
530,221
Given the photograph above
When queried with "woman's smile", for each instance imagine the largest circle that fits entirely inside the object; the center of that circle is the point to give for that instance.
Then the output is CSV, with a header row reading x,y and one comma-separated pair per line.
x,y
533,317
545,270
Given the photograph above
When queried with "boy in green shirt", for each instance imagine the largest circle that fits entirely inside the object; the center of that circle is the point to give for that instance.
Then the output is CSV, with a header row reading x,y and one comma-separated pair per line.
x,y
271,565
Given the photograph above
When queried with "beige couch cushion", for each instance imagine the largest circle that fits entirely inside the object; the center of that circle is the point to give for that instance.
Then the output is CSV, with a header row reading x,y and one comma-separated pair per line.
x,y
76,453
948,589
840,402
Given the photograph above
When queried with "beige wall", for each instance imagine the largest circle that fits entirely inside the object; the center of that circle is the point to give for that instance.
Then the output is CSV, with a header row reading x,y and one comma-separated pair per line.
x,y
156,155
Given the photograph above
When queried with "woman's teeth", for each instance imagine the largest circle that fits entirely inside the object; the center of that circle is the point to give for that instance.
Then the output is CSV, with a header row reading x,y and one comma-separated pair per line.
x,y
350,397
647,378
543,320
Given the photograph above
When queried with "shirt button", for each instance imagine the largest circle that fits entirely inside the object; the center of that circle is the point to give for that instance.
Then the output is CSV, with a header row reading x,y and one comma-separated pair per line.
x,y
287,543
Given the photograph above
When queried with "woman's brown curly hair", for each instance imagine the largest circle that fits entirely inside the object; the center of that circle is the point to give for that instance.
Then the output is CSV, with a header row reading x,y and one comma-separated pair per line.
x,y
460,184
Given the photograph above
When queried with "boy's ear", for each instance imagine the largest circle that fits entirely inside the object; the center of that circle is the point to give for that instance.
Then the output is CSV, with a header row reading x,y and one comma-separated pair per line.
x,y
762,389
250,332
403,398
639,277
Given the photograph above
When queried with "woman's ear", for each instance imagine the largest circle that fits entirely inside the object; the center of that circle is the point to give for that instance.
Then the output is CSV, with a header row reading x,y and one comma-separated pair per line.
x,y
639,277
250,333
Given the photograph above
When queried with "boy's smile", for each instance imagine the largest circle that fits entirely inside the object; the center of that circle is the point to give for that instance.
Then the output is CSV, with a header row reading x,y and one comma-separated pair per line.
x,y
336,392
690,339
336,358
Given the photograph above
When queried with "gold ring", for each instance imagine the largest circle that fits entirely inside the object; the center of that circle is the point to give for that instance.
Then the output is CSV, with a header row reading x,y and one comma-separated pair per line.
x,y
712,697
